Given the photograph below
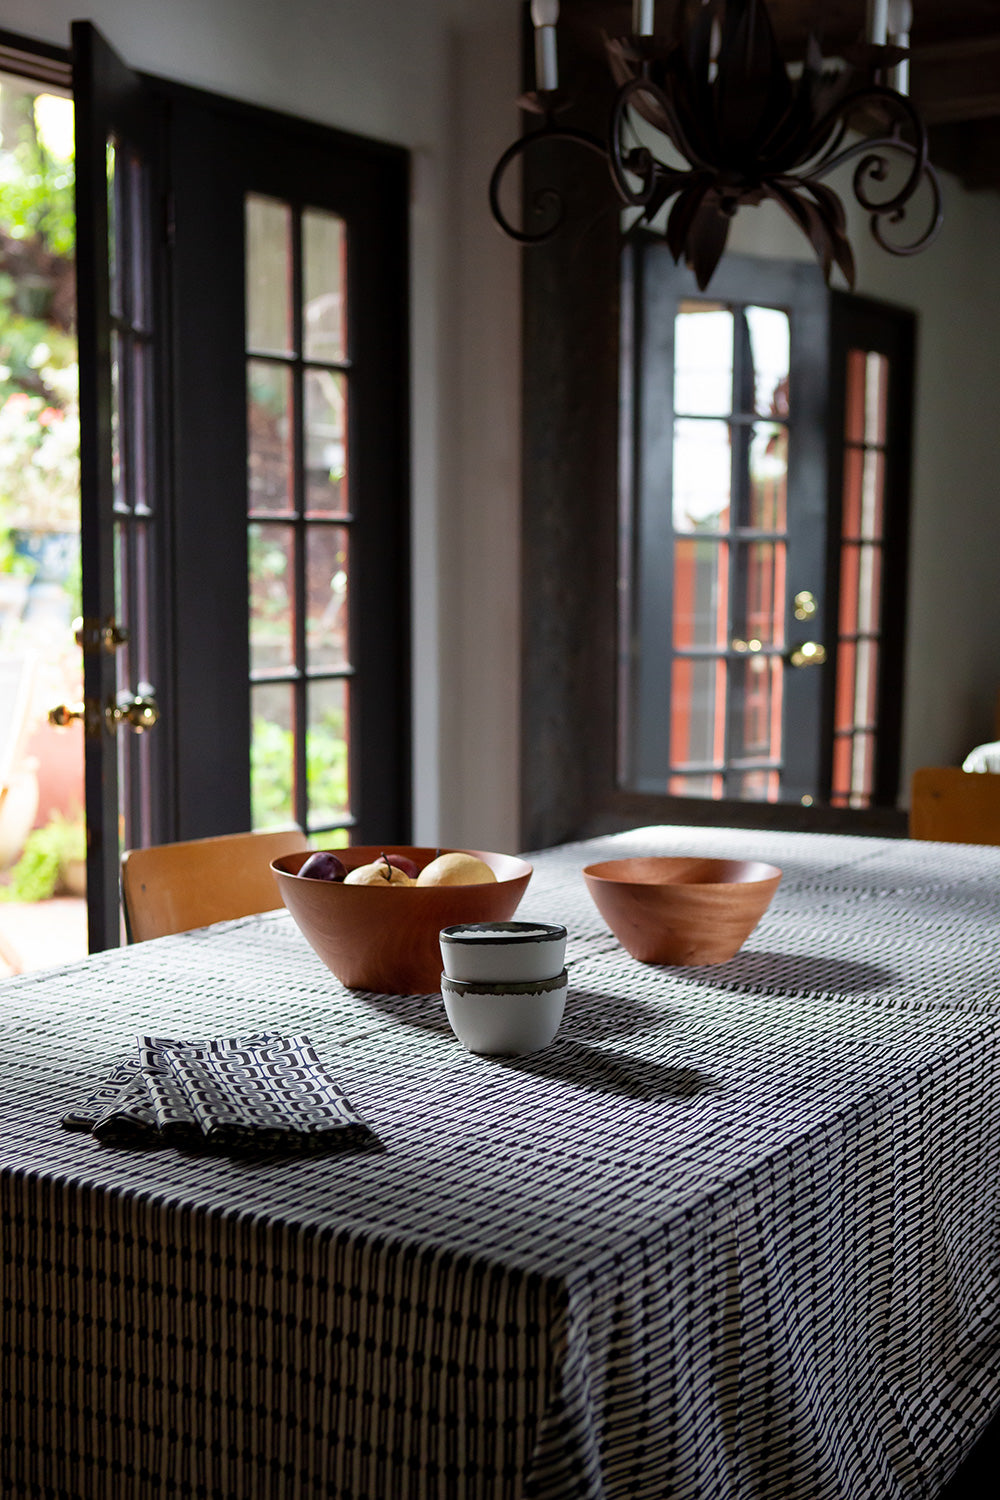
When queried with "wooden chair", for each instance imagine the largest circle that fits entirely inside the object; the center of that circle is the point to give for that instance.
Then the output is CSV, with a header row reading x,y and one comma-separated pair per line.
x,y
957,807
174,887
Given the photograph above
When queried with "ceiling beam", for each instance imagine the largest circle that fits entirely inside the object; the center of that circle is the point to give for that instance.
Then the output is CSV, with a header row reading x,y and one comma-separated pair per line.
x,y
957,80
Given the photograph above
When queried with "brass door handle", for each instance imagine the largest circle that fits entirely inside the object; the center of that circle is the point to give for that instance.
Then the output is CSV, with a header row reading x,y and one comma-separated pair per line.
x,y
807,654
139,711
64,713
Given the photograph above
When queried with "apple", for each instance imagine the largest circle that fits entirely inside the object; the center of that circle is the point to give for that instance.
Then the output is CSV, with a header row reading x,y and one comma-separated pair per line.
x,y
379,872
400,861
323,865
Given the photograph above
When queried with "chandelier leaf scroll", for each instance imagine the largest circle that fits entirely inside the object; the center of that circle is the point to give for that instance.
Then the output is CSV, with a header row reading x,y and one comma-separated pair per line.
x,y
728,124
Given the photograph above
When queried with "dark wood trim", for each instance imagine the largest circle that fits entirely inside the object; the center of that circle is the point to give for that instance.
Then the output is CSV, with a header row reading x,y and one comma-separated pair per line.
x,y
39,61
570,481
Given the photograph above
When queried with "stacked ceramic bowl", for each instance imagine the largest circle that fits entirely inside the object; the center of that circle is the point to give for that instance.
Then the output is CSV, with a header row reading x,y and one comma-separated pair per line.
x,y
504,985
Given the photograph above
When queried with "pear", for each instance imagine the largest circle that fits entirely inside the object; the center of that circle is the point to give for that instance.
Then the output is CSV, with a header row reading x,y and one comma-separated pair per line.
x,y
456,869
379,872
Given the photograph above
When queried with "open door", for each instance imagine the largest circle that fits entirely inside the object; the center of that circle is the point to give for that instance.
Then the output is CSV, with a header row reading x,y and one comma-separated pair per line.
x,y
242,282
119,207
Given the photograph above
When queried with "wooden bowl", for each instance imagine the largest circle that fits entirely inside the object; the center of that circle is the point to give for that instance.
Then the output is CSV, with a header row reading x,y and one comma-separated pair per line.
x,y
385,938
678,910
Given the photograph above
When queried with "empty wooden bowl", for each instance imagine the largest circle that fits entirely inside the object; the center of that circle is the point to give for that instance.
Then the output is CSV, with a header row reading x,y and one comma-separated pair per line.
x,y
385,938
681,910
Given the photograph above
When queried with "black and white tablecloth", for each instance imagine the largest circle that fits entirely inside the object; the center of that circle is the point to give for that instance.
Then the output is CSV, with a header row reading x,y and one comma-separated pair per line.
x,y
735,1234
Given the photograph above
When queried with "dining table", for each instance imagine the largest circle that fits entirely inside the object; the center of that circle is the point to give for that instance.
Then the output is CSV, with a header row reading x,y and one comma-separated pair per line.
x,y
734,1234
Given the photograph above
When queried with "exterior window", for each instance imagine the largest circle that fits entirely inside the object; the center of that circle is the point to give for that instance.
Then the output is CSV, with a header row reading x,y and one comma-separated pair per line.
x,y
861,568
300,517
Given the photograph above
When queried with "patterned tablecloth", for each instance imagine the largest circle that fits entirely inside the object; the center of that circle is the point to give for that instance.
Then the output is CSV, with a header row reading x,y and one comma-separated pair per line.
x,y
734,1234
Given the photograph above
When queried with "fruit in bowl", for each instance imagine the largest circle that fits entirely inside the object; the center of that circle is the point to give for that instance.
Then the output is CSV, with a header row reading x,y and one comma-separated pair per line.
x,y
383,936
324,865
381,871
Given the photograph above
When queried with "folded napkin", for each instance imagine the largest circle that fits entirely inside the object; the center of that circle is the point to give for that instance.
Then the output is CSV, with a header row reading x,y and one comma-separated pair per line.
x,y
247,1096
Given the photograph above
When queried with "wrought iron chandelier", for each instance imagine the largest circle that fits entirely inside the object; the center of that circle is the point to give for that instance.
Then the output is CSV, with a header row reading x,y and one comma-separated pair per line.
x,y
740,127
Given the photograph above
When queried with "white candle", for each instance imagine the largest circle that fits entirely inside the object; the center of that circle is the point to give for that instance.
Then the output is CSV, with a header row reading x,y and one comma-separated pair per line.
x,y
878,21
544,15
642,17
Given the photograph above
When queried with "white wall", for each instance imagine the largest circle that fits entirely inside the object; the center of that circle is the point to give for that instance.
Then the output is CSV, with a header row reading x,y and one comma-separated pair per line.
x,y
438,77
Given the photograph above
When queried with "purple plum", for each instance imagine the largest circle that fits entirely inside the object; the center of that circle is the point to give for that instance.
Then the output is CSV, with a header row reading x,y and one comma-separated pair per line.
x,y
323,865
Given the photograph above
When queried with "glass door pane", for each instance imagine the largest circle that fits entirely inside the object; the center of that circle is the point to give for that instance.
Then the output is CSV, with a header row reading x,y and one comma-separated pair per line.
x,y
300,521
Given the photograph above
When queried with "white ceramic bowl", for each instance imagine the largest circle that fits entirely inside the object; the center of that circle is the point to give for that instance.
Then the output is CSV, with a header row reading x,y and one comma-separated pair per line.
x,y
501,951
504,1020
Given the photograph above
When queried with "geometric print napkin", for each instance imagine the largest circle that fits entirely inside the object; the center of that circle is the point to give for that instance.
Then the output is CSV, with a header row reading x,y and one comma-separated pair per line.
x,y
260,1095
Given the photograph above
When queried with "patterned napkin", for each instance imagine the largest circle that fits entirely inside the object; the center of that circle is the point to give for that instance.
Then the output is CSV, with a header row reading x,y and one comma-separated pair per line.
x,y
258,1095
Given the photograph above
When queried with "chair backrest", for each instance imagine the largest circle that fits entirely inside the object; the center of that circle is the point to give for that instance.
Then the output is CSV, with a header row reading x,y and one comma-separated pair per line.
x,y
957,807
174,887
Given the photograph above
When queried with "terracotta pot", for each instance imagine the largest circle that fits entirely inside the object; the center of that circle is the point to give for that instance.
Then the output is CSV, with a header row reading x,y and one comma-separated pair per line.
x,y
678,910
385,938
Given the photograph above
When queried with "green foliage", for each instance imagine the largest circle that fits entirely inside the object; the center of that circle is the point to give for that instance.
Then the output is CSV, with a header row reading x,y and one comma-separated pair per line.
x,y
47,851
36,192
272,772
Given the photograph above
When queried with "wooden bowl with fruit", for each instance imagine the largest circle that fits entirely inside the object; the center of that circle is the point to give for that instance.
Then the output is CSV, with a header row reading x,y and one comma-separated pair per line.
x,y
373,914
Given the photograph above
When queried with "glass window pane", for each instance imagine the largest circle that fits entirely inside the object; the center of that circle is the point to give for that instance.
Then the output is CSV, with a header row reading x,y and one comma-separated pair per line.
x,y
843,718
763,616
701,592
841,783
694,786
854,473
768,477
324,274
141,437
697,711
326,443
702,475
114,229
854,396
876,393
141,614
326,597
849,589
703,359
268,275
272,593
272,762
770,351
755,687
862,769
869,589
866,683
327,740
755,786
137,300
270,465
118,477
872,495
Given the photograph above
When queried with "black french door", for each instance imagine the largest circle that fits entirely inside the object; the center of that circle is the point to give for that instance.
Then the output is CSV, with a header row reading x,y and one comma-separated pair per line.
x,y
767,440
245,471
124,635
